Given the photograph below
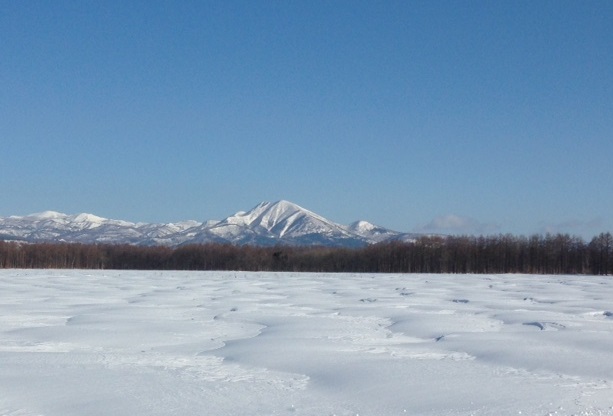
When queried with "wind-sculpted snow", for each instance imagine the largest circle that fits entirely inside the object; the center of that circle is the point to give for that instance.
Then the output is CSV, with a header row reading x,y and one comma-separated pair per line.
x,y
233,343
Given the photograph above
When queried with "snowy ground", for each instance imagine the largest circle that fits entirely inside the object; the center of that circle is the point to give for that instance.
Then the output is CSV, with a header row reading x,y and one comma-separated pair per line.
x,y
224,343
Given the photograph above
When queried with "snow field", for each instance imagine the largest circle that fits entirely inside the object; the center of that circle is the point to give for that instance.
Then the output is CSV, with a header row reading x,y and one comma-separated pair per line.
x,y
235,343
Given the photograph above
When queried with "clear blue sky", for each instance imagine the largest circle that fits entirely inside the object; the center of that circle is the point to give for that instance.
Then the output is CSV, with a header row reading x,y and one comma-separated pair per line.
x,y
439,116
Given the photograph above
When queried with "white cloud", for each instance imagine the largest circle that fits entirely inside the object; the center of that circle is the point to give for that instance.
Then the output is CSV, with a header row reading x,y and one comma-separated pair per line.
x,y
457,224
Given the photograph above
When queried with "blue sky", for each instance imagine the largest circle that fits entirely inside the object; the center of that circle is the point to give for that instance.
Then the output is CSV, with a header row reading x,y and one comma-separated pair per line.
x,y
436,116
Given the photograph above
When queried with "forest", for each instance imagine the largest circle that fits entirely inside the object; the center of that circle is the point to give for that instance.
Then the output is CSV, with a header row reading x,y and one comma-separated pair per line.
x,y
536,254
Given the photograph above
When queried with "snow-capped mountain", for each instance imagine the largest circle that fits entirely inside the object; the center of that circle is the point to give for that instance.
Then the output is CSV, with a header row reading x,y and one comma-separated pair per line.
x,y
86,228
266,224
372,232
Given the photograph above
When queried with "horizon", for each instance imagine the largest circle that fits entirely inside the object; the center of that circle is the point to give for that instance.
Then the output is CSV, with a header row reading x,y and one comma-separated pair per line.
x,y
51,213
433,117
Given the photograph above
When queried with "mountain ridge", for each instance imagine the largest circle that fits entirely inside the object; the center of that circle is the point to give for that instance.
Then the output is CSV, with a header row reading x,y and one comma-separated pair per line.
x,y
268,223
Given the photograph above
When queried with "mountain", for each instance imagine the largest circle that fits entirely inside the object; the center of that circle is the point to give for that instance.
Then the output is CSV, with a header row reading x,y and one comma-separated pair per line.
x,y
266,224
85,228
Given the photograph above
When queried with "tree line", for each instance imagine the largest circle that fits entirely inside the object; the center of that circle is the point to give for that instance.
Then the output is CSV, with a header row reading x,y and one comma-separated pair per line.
x,y
536,254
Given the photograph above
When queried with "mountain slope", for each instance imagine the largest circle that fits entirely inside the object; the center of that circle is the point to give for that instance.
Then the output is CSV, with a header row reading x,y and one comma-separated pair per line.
x,y
266,224
270,223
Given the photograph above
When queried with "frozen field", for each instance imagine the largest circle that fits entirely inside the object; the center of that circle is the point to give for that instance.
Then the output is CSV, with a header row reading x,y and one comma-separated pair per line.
x,y
76,343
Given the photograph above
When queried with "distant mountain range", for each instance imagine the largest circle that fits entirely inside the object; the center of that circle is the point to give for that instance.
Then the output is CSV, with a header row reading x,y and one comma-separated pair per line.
x,y
267,224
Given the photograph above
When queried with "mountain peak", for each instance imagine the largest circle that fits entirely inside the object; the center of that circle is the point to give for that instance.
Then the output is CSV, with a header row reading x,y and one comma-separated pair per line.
x,y
47,215
372,232
88,218
268,223
282,203
362,226
278,206
266,214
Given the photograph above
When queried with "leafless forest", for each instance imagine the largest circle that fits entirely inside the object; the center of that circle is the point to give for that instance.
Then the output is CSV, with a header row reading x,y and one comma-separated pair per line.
x,y
537,254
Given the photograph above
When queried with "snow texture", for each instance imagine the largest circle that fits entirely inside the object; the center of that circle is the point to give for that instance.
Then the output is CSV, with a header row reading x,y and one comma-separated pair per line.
x,y
232,343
